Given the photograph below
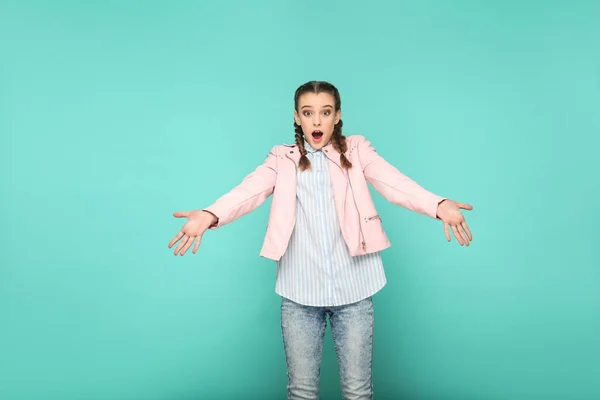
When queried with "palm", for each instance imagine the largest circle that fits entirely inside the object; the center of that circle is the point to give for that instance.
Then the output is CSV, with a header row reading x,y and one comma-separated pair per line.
x,y
193,226
197,223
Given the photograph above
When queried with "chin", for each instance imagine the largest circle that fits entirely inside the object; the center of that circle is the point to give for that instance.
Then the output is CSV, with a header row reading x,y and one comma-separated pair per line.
x,y
316,146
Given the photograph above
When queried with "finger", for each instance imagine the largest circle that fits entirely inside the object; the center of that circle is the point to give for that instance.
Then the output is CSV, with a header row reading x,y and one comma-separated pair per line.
x,y
197,244
183,242
446,231
463,235
457,235
466,228
181,214
176,238
465,206
187,246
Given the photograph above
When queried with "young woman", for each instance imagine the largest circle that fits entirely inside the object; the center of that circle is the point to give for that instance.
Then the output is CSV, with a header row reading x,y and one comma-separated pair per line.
x,y
325,235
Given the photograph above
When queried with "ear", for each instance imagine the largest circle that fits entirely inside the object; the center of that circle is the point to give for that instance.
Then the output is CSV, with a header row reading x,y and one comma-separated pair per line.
x,y
296,117
338,116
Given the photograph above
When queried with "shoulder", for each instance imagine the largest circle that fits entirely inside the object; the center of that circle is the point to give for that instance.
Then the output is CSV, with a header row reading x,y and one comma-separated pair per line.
x,y
281,149
355,141
360,148
284,147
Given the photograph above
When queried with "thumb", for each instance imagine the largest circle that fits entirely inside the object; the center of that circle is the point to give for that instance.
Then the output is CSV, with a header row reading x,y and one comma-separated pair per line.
x,y
181,214
465,206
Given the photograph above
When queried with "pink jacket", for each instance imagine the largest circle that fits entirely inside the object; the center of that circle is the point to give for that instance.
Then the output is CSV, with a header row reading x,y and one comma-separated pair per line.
x,y
359,222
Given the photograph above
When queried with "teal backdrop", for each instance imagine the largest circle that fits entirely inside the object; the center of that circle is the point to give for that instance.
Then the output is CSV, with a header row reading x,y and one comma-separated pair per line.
x,y
115,114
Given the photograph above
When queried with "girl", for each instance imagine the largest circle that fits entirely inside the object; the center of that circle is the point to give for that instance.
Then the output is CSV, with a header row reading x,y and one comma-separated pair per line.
x,y
325,235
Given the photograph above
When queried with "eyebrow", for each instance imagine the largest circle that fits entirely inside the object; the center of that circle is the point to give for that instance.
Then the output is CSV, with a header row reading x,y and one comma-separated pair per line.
x,y
307,106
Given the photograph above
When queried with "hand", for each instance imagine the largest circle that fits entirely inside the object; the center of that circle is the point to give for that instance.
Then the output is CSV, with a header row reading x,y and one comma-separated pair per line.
x,y
198,222
449,212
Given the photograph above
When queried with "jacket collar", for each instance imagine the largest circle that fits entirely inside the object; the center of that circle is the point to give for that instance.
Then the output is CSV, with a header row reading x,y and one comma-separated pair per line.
x,y
329,151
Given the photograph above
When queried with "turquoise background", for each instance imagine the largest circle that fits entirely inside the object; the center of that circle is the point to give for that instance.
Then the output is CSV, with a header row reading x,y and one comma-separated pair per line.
x,y
115,114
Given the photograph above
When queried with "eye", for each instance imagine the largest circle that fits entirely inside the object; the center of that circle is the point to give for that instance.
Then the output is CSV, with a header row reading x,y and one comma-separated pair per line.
x,y
306,113
327,112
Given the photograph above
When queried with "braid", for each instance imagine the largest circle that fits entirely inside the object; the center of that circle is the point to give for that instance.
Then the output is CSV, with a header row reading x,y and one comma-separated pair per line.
x,y
339,143
304,161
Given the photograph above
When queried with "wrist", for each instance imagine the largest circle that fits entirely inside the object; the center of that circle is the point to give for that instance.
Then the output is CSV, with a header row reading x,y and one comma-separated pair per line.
x,y
213,218
438,208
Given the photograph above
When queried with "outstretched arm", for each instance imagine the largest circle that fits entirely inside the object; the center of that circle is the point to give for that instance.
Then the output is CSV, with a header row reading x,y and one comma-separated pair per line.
x,y
396,187
399,189
248,195
244,198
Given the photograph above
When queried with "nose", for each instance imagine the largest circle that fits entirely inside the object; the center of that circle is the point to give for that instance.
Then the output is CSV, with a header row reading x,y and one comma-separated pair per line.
x,y
317,120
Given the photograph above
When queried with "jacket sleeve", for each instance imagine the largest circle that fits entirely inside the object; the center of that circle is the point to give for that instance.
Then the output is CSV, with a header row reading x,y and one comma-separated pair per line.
x,y
396,187
248,195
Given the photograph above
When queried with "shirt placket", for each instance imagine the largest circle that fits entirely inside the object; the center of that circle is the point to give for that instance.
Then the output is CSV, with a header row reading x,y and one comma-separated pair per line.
x,y
327,244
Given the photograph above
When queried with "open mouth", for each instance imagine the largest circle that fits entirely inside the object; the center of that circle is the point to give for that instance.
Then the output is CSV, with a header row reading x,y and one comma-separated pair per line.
x,y
317,135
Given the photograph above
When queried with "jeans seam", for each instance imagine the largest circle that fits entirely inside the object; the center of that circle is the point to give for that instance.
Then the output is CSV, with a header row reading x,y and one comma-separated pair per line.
x,y
287,365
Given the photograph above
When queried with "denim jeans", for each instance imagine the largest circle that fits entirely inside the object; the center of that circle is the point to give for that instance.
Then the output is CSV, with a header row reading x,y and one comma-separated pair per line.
x,y
303,329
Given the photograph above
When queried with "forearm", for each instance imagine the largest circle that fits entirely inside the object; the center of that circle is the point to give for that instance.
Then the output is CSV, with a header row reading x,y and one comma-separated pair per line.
x,y
235,204
246,196
392,184
399,189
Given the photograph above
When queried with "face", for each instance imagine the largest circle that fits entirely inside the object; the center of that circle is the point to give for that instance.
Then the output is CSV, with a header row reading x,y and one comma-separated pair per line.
x,y
317,116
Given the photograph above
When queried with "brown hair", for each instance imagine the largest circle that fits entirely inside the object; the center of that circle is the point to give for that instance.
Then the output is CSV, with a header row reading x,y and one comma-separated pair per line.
x,y
337,139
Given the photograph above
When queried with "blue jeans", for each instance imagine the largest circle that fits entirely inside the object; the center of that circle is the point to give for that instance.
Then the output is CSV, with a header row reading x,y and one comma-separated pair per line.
x,y
303,329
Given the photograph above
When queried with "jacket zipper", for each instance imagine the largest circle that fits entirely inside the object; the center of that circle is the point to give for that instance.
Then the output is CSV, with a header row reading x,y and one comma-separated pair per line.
x,y
347,174
363,243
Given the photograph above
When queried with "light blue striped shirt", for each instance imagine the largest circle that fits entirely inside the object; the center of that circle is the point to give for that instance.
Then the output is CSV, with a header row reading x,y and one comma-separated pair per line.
x,y
317,268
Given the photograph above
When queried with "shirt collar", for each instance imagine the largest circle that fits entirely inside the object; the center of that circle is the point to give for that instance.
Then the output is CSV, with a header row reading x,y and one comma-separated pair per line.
x,y
309,148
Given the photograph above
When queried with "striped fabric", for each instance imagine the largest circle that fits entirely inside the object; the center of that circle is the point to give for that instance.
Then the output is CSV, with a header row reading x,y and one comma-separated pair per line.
x,y
317,268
